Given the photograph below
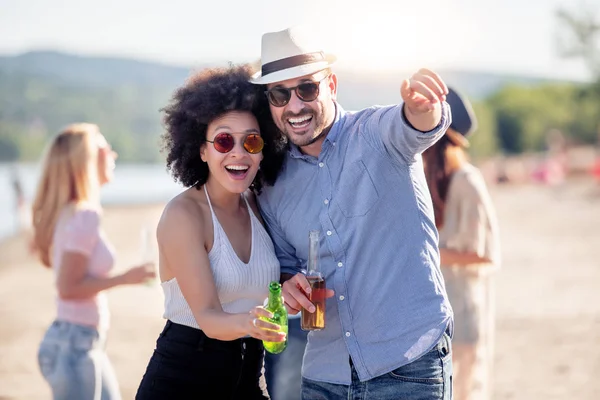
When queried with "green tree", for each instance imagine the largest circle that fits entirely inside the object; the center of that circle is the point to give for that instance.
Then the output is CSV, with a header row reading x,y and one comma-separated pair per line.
x,y
580,36
34,108
524,115
484,141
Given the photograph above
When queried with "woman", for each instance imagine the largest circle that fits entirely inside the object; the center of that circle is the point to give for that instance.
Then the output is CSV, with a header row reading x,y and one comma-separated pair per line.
x,y
469,250
68,238
216,259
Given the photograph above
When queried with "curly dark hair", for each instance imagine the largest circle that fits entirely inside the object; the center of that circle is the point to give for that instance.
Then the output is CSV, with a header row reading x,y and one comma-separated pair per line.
x,y
207,95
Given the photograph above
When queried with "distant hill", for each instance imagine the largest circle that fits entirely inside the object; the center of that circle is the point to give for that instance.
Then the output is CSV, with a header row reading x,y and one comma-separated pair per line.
x,y
366,88
93,71
42,91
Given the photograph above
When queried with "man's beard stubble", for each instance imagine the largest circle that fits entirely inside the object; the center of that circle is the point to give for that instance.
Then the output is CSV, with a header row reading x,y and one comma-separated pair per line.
x,y
318,120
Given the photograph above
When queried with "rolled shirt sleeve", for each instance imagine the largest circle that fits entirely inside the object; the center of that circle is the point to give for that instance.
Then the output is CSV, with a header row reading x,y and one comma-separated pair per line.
x,y
401,141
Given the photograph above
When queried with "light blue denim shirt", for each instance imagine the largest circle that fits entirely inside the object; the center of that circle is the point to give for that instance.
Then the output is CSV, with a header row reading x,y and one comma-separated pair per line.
x,y
368,196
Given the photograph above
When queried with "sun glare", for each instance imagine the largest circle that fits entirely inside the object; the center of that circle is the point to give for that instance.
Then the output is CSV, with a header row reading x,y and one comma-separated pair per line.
x,y
393,36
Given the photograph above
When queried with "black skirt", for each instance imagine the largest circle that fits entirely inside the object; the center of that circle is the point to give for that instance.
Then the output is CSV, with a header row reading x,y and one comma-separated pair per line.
x,y
187,364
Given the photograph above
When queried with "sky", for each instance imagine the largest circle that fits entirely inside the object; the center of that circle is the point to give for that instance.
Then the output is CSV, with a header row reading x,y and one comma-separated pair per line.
x,y
506,36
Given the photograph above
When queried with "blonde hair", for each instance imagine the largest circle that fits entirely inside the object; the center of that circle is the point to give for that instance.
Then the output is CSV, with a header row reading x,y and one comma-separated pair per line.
x,y
69,177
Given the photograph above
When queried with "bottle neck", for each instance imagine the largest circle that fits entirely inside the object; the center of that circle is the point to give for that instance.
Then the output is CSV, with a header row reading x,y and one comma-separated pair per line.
x,y
312,267
275,299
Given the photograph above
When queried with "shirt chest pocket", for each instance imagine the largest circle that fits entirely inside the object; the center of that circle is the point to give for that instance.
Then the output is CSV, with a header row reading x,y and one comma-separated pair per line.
x,y
356,194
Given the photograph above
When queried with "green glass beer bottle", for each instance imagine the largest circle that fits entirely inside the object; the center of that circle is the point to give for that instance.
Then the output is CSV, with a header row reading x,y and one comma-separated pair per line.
x,y
280,317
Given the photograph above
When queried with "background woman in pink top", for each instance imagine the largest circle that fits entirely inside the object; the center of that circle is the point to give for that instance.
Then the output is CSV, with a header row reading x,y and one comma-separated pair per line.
x,y
68,239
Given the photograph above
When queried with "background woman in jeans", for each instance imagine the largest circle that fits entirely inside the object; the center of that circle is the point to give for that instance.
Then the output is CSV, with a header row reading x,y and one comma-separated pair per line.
x,y
68,239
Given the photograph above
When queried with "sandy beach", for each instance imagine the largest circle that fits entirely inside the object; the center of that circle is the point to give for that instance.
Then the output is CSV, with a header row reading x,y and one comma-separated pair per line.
x,y
548,299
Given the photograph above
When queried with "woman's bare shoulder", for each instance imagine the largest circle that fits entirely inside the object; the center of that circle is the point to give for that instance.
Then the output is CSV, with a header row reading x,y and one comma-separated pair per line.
x,y
184,210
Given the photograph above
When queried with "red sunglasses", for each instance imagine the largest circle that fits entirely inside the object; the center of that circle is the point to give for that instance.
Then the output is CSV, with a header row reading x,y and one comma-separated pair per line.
x,y
224,143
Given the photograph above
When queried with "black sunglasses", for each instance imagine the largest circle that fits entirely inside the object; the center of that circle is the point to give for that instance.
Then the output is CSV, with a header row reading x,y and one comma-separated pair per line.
x,y
279,96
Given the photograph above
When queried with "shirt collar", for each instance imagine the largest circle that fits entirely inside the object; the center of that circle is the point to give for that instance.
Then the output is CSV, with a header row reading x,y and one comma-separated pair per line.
x,y
334,132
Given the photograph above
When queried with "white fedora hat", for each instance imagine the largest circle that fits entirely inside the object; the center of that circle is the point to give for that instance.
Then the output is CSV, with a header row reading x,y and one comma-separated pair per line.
x,y
289,54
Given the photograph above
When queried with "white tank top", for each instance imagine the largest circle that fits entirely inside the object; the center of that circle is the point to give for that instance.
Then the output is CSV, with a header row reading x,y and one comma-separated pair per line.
x,y
240,286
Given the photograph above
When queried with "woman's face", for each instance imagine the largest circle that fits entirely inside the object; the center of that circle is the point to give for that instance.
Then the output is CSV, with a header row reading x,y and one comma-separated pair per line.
x,y
106,160
235,169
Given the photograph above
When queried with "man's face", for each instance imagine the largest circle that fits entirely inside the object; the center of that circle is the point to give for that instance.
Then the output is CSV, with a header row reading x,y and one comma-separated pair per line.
x,y
304,117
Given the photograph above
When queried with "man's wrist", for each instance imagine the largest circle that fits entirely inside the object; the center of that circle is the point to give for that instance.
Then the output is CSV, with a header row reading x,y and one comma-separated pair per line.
x,y
405,112
413,120
285,276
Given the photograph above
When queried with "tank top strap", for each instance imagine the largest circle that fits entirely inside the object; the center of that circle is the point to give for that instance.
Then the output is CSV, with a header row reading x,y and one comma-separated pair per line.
x,y
216,225
246,201
253,217
212,212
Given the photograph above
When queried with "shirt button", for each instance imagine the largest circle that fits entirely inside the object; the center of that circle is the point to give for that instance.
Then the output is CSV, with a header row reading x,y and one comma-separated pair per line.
x,y
329,233
340,264
321,164
347,334
342,298
326,201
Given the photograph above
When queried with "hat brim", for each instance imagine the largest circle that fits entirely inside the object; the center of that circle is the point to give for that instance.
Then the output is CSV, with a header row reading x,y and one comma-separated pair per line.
x,y
294,72
457,138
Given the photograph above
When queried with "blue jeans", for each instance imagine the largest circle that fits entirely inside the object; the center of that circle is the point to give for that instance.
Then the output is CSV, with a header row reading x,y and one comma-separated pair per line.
x,y
72,359
283,371
427,378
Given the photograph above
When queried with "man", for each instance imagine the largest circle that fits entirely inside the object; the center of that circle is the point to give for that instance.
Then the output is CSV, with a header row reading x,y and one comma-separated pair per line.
x,y
358,178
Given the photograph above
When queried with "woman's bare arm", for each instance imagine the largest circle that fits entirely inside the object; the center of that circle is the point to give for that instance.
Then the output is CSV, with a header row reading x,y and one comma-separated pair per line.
x,y
181,241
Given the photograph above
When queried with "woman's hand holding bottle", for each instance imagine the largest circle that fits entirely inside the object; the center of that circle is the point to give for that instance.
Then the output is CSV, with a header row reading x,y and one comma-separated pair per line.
x,y
261,329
